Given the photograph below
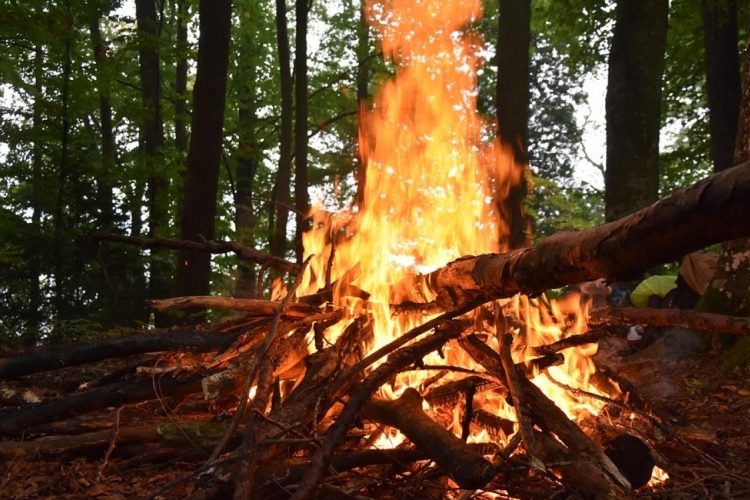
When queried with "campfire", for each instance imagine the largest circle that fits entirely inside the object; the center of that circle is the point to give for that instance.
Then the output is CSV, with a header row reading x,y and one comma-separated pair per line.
x,y
396,361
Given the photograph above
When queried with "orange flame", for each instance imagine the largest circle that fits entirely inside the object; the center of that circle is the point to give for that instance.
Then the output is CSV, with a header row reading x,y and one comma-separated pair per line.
x,y
432,181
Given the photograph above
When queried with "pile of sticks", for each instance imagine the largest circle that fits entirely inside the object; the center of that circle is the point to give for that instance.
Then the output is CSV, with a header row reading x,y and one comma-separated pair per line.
x,y
277,409
314,411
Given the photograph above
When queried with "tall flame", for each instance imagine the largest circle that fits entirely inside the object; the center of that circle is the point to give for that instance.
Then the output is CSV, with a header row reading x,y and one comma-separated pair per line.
x,y
433,177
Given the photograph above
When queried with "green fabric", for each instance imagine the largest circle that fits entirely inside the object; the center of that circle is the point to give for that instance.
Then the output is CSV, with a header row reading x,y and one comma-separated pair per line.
x,y
655,285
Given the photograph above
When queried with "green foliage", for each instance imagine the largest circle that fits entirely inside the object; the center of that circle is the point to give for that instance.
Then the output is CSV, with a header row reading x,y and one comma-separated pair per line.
x,y
558,208
47,215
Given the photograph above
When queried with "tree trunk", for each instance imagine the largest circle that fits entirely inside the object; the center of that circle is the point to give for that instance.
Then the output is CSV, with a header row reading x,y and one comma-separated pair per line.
x,y
722,78
633,106
729,291
248,154
153,138
204,156
279,209
363,77
105,174
512,89
31,330
180,82
61,253
301,198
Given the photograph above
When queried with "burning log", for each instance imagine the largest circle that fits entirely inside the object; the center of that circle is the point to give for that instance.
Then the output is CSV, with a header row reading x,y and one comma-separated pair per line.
x,y
677,318
465,466
688,220
518,393
550,417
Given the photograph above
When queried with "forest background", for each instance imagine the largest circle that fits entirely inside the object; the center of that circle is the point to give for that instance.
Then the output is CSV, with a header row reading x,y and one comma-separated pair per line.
x,y
222,120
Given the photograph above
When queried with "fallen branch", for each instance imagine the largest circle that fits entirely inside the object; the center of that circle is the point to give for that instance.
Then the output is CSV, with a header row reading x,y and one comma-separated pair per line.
x,y
243,252
62,356
260,307
676,318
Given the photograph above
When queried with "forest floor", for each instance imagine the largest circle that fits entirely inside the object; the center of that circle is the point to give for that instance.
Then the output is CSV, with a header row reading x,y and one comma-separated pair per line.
x,y
713,405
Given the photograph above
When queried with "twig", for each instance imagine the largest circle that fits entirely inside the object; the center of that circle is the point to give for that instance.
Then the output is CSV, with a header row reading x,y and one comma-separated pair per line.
x,y
112,445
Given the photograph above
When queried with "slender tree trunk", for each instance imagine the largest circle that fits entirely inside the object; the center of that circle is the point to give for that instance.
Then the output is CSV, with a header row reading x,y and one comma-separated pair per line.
x,y
279,209
247,155
363,94
181,74
729,291
61,254
153,139
106,173
31,330
204,155
633,106
301,197
513,47
722,78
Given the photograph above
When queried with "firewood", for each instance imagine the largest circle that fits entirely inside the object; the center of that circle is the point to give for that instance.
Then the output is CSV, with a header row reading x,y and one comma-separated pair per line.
x,y
55,357
518,393
243,252
451,392
256,306
589,337
15,420
466,467
677,318
397,361
681,223
550,417
579,474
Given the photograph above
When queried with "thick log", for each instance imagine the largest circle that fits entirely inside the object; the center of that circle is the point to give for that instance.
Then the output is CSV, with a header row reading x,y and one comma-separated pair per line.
x,y
15,420
56,357
676,318
714,210
465,466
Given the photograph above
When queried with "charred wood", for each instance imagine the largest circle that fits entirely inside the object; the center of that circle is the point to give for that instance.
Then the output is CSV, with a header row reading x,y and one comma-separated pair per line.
x,y
549,416
466,467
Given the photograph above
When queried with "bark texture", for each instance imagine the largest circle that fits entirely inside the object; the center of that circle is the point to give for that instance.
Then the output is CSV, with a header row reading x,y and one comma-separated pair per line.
x,y
633,104
204,156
